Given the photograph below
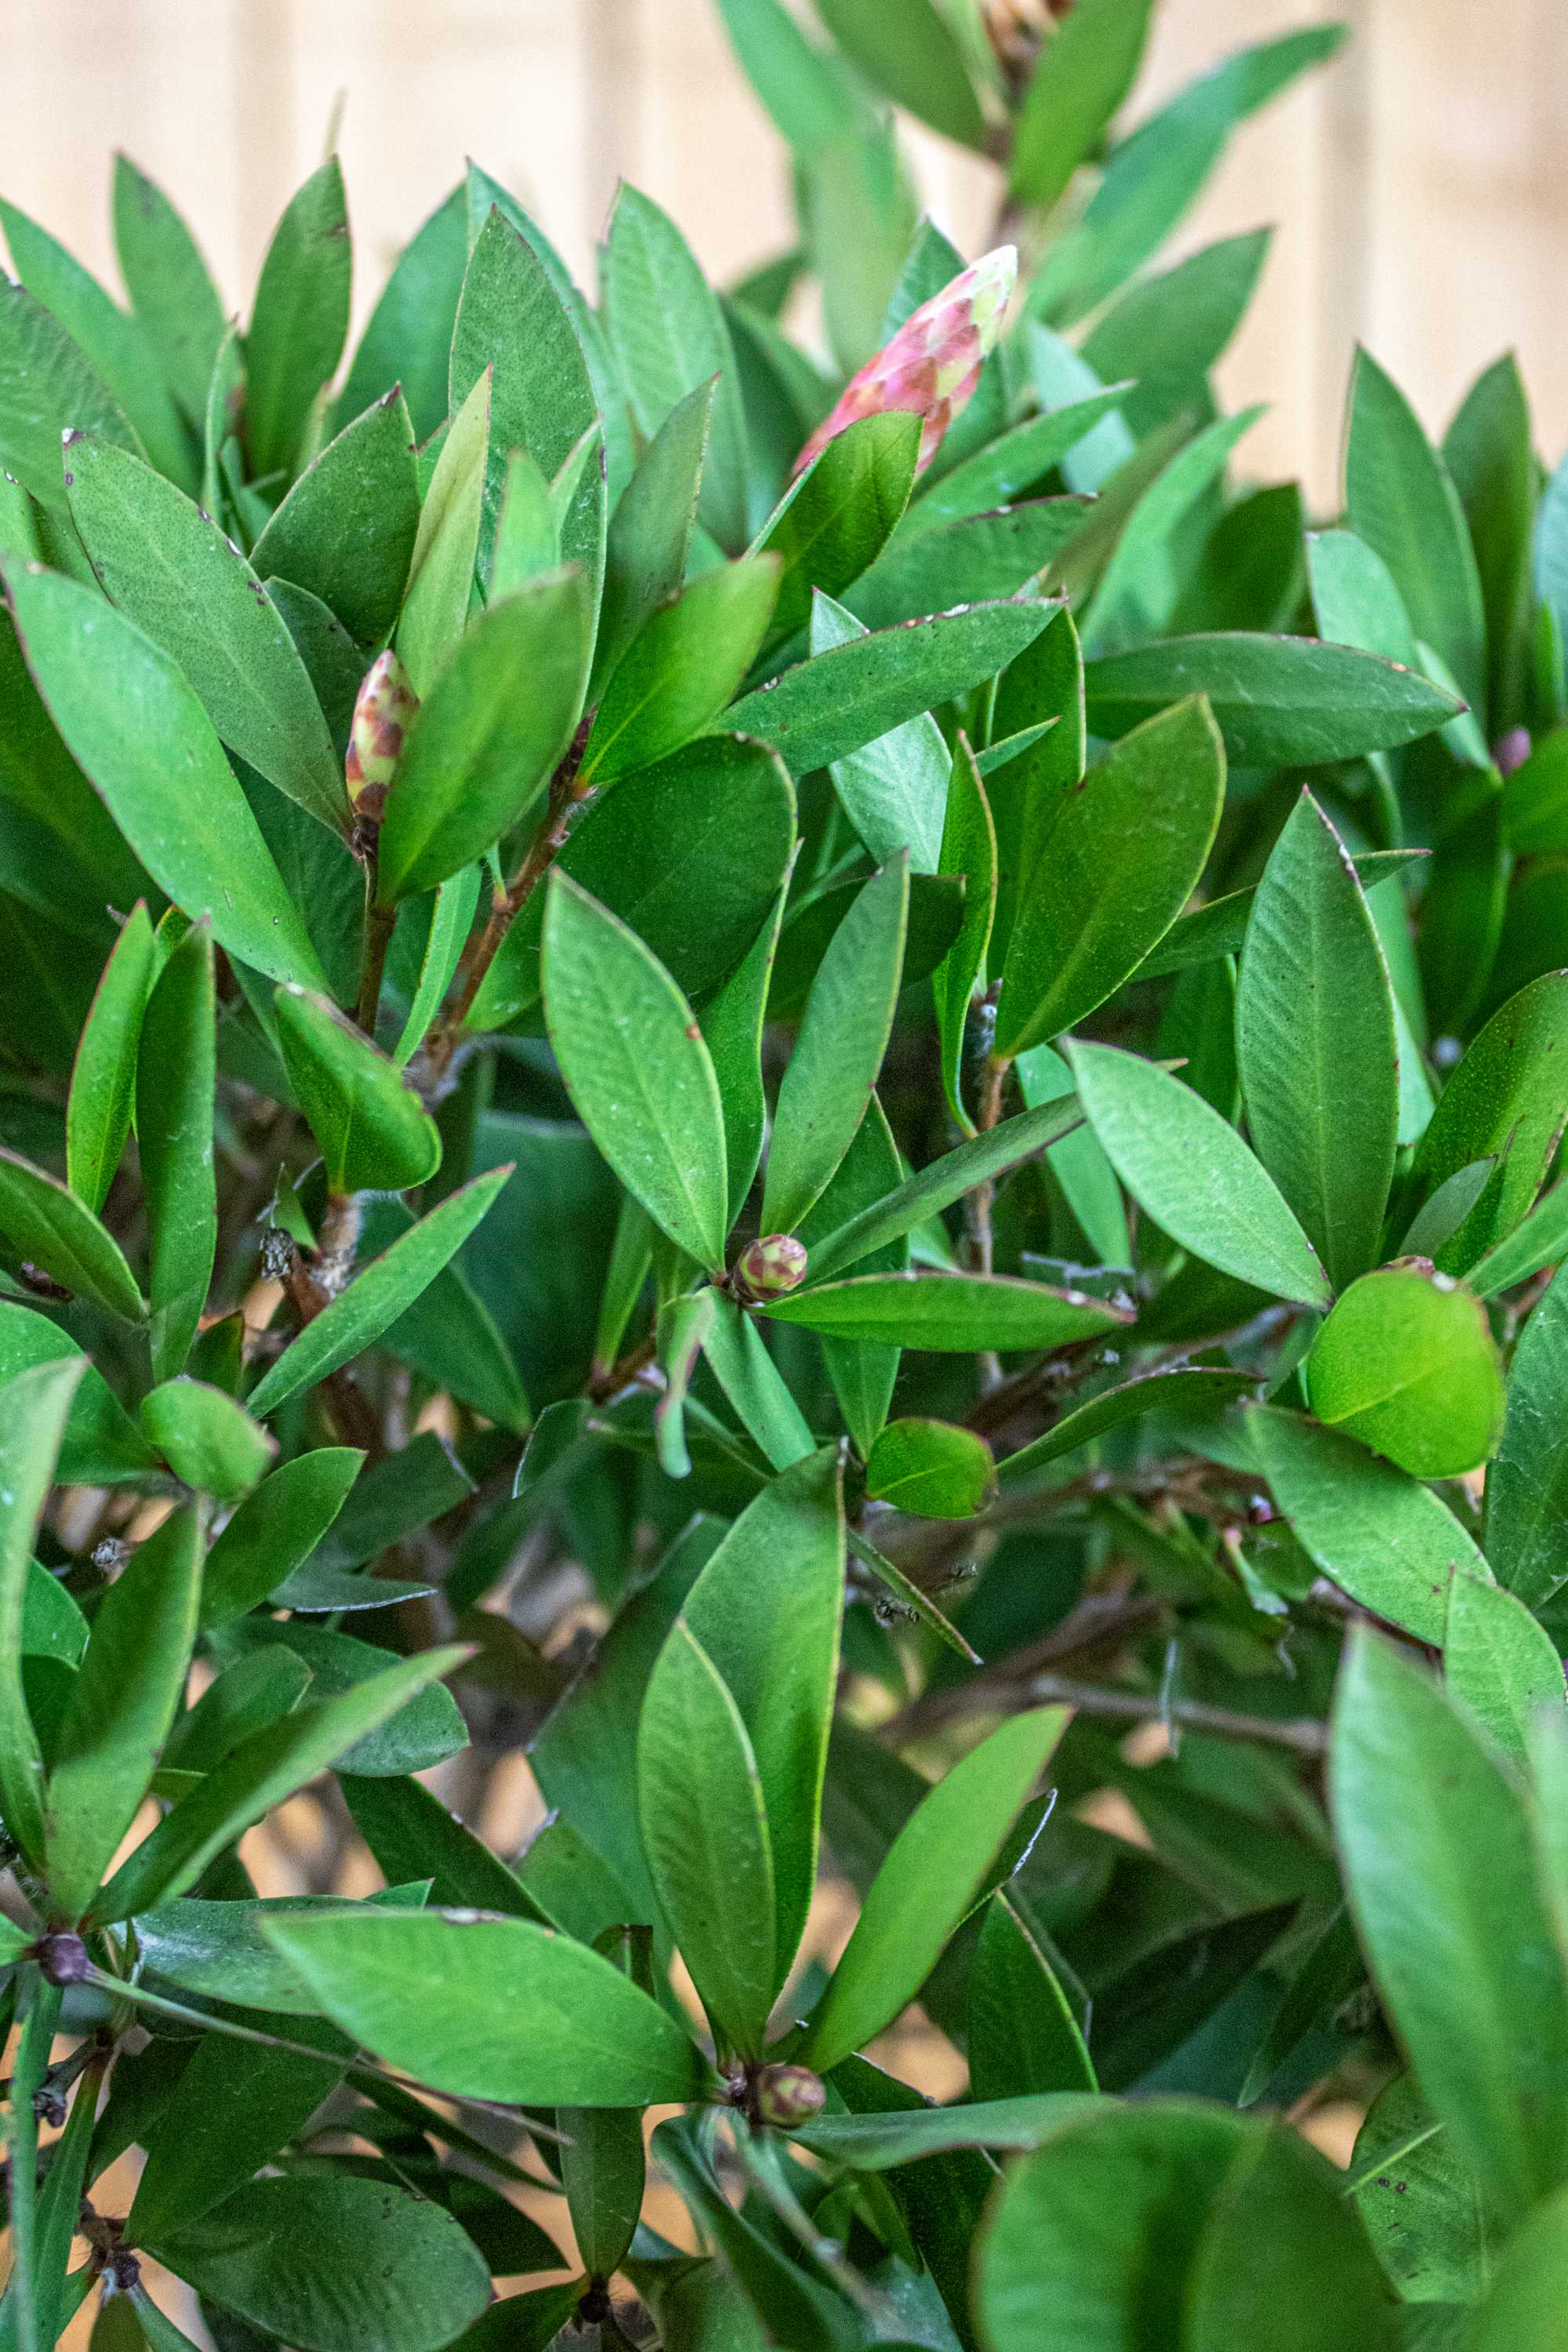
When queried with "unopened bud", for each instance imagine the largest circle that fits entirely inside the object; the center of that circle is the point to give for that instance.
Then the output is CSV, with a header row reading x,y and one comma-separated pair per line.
x,y
1016,30
384,711
788,2097
773,1266
1512,750
933,364
63,1958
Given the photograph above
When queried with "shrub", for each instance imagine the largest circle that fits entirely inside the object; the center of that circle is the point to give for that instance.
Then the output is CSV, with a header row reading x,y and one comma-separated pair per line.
x,y
807,1136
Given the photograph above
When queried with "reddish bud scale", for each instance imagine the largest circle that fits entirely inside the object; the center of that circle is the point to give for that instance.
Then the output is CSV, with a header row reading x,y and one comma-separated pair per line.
x,y
773,1266
933,364
384,711
788,2097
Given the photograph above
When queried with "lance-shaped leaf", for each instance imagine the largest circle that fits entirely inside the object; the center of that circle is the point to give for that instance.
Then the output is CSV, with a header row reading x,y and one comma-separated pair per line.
x,y
650,536
895,790
1315,1043
836,519
142,737
409,337
277,1528
1193,1173
1503,1665
954,1313
48,385
346,530
1505,1096
1406,1362
911,50
1527,1487
1189,1389
1083,74
176,1079
102,1445
487,736
638,1070
122,1708
682,669
1124,855
838,1052
935,1868
300,320
446,548
375,1134
377,1297
103,1077
171,289
490,2008
1022,2029
209,1442
969,847
49,1227
34,1404
1279,701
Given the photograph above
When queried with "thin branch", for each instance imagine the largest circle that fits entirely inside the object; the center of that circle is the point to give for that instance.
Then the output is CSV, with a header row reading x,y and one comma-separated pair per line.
x,y
1302,1735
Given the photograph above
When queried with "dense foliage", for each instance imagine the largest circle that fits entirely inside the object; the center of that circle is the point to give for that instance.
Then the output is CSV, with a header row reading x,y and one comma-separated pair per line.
x,y
809,1098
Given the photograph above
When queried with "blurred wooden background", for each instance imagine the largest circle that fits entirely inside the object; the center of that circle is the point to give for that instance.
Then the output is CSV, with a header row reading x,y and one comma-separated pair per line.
x,y
1420,185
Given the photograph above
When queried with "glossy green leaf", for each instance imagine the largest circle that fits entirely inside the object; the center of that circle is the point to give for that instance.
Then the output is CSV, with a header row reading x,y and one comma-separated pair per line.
x,y
649,535
1079,82
346,530
838,518
446,547
375,1134
683,667
486,741
705,1830
931,1469
1219,928
300,322
1406,1362
103,1077
1485,2018
375,1299
1279,701
969,849
1185,1389
894,791
978,559
451,920
1315,1043
1382,1537
1527,1486
1437,2236
102,1445
48,385
172,292
175,1077
733,1022
1499,1663
935,1868
1506,1095
1193,1174
208,1441
34,1404
49,1227
753,1386
1010,466
949,1312
1523,2311
1022,2031
143,738
449,1335
490,2008
824,709
122,1708
1137,588
1124,855
409,337
638,1070
838,1052
276,1529
911,53
1169,330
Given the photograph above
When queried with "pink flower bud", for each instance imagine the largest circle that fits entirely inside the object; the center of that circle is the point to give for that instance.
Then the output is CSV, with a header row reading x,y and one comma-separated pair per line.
x,y
773,1266
384,711
789,2096
933,364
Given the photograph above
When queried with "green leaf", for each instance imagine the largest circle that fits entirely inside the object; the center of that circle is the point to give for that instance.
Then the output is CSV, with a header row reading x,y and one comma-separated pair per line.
x,y
639,1073
1385,1539
176,1077
1400,499
936,1866
371,2266
34,1404
1500,1664
1022,2030
346,530
924,1196
512,319
490,2008
1527,1487
48,385
1438,2238
1535,799
375,1132
978,559
931,1469
668,335
143,738
1010,466
277,1528
409,339
733,1022
49,1227
1169,330
208,1441
175,574
446,548
425,1731
451,920
261,1773
1136,590
969,849
838,518
449,1335
680,671
957,1313
1125,854
1505,1096
752,1384
300,320
705,1830
1193,1174
375,1298
103,1445
838,1052
767,1610
1084,74
1219,928
806,90
1524,2310
1185,1389
1406,1362
1315,1043
894,792
103,1077
122,1709
1416,1799
881,2141
910,52
1279,701
172,292
824,709
650,536
1079,1164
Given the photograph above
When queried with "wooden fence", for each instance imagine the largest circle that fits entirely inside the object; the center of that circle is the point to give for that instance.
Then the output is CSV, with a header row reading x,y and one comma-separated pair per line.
x,y
1421,187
